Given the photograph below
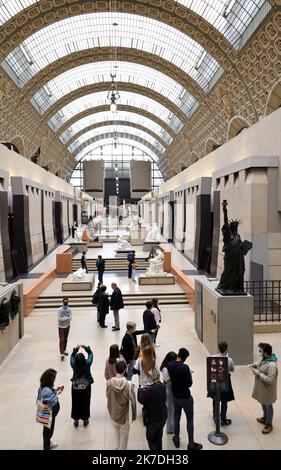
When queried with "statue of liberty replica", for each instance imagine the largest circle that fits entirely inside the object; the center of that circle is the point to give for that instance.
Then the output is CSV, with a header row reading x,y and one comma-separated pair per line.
x,y
232,278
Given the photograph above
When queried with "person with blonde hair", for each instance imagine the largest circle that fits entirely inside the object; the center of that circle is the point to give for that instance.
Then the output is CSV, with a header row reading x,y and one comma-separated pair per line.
x,y
145,365
144,341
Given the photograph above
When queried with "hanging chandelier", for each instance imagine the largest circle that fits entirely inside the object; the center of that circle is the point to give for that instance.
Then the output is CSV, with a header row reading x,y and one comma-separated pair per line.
x,y
113,94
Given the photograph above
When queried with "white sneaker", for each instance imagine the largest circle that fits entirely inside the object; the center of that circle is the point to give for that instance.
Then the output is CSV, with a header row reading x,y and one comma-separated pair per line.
x,y
156,345
53,445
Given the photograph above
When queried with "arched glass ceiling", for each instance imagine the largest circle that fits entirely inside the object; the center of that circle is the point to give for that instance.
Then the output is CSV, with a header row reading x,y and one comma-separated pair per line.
x,y
97,30
115,153
230,18
126,72
231,25
118,116
126,98
112,128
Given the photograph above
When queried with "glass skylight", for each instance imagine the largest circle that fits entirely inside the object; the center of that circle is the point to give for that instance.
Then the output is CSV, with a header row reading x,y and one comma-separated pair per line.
x,y
119,129
10,8
96,30
126,72
126,98
118,116
121,140
231,27
230,22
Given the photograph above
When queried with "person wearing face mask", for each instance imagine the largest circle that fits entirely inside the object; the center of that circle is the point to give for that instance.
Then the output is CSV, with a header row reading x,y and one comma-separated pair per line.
x,y
64,320
265,386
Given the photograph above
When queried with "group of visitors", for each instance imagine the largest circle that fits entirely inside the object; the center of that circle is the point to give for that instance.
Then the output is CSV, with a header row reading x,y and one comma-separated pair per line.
x,y
101,300
163,392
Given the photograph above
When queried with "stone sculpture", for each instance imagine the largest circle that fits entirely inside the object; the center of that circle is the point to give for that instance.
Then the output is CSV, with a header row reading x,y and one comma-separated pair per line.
x,y
232,278
79,274
153,234
122,243
155,267
78,234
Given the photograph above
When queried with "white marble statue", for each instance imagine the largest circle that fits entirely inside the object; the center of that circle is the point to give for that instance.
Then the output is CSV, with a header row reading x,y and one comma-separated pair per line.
x,y
78,233
124,210
122,243
153,234
155,267
79,274
134,224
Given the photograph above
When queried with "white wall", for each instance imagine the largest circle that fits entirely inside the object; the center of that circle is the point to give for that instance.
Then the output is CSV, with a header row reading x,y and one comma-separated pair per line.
x,y
261,139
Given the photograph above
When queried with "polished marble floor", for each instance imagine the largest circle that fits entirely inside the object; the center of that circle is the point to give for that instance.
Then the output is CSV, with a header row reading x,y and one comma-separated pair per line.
x,y
38,350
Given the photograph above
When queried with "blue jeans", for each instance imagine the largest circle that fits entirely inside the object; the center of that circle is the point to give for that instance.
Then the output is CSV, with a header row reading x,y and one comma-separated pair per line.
x,y
187,405
268,414
130,370
170,408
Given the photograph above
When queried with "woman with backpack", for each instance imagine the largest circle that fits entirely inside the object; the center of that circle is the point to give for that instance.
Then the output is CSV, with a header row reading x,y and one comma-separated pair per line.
x,y
81,384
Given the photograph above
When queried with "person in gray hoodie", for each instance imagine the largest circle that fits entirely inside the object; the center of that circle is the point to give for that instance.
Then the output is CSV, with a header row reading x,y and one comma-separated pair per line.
x,y
120,395
64,319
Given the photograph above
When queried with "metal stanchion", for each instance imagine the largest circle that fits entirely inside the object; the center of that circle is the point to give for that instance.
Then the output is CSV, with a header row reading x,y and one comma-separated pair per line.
x,y
217,437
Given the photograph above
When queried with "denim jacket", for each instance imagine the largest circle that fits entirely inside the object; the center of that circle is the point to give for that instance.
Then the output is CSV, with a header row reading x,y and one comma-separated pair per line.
x,y
48,396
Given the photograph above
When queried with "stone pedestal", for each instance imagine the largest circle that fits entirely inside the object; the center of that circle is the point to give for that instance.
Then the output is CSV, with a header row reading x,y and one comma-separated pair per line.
x,y
147,246
156,280
122,252
93,244
224,318
87,283
80,246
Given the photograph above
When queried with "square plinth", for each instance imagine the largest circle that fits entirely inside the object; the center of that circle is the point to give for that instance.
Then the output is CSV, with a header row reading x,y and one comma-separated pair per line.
x,y
92,244
156,280
123,252
87,283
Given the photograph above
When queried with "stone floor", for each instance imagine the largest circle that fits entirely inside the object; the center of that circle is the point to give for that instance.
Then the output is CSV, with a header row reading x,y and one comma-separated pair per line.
x,y
38,350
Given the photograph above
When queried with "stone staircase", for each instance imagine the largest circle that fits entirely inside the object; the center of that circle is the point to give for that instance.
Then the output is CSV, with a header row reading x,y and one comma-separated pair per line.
x,y
79,300
111,264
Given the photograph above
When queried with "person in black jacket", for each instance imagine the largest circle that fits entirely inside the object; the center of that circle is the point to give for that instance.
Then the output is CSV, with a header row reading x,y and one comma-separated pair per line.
x,y
103,306
149,323
100,264
116,303
83,261
129,346
81,384
95,298
181,381
153,399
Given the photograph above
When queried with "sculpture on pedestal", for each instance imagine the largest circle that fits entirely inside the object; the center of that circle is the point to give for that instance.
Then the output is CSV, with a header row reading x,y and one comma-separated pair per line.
x,y
155,267
153,234
122,243
79,274
232,278
78,234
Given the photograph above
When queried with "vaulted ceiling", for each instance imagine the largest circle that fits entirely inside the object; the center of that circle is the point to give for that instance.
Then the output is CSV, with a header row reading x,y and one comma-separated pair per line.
x,y
166,56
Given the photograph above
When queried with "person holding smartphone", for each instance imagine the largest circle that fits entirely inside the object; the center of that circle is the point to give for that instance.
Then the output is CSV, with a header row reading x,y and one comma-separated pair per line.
x,y
49,396
81,384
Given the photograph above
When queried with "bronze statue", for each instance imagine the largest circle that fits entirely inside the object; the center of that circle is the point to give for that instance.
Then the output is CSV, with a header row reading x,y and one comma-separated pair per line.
x,y
232,278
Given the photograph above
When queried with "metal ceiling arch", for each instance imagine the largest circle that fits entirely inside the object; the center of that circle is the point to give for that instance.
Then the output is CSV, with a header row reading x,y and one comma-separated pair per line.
x,y
170,12
102,54
130,87
122,130
98,109
125,72
112,135
120,116
117,124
